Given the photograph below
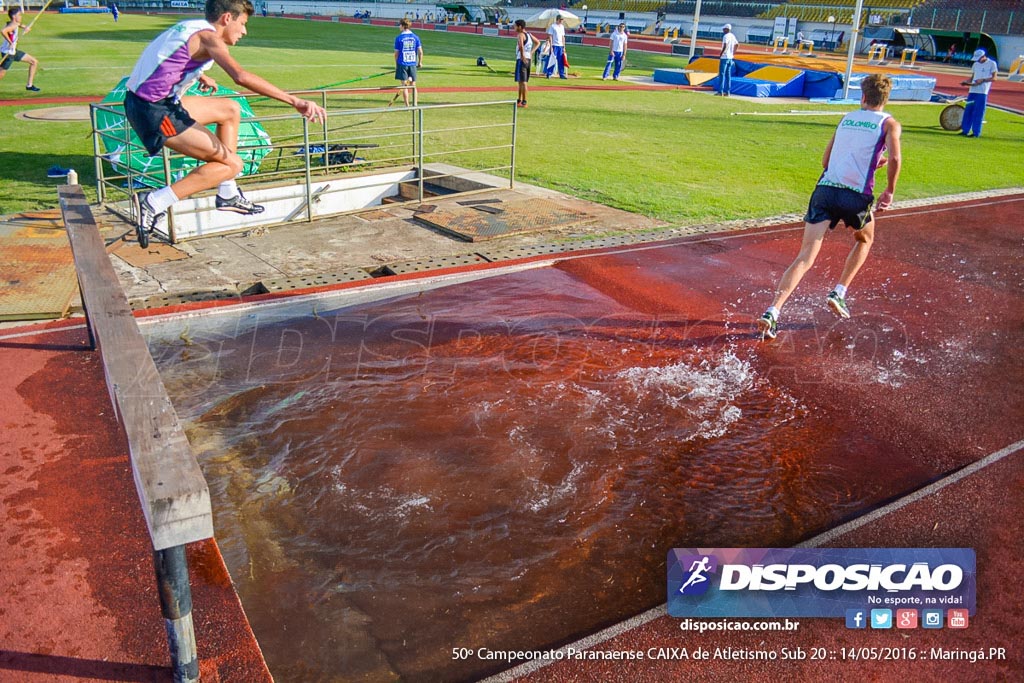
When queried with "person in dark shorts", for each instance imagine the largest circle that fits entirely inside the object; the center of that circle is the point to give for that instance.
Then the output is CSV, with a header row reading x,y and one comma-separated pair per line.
x,y
408,57
9,52
161,116
844,193
524,52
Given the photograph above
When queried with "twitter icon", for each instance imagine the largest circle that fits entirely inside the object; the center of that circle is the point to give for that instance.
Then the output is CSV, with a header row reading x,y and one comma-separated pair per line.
x,y
881,618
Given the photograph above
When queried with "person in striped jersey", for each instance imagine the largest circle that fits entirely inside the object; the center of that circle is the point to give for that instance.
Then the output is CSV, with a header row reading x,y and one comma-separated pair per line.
x,y
845,193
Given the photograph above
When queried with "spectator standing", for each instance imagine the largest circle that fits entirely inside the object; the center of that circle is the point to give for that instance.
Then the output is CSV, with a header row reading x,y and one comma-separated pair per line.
x,y
983,73
117,13
556,37
408,57
725,61
524,52
616,52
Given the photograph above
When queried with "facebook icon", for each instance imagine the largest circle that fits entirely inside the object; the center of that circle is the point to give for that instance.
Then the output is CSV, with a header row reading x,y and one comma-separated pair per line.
x,y
856,618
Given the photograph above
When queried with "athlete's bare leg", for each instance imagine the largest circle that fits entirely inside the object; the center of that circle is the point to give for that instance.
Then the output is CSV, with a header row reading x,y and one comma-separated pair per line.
x,y
814,233
865,237
218,151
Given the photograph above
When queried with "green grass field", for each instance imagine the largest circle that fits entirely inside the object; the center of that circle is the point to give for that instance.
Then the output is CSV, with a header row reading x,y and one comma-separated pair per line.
x,y
678,156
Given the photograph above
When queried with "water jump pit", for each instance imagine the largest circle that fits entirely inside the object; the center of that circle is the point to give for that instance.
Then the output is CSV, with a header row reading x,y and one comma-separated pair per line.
x,y
501,458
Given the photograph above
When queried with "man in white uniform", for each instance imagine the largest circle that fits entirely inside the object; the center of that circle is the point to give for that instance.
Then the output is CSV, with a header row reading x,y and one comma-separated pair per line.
x,y
616,52
983,73
725,60
844,193
556,37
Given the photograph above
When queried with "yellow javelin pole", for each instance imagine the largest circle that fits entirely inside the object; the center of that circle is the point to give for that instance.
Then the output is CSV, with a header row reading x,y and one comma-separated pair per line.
x,y
38,14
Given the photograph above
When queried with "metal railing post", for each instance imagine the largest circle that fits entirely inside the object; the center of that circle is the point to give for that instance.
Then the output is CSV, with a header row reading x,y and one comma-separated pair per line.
x,y
176,606
419,136
512,162
327,149
97,159
309,170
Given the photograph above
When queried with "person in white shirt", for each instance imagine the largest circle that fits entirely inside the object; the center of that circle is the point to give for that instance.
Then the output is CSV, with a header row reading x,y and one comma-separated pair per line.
x,y
725,60
983,73
556,37
845,193
616,52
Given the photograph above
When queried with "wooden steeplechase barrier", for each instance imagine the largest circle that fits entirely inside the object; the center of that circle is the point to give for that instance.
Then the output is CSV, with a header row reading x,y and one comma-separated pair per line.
x,y
170,485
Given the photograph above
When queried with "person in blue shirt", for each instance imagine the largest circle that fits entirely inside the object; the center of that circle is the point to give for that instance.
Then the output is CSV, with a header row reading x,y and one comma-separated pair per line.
x,y
114,11
408,57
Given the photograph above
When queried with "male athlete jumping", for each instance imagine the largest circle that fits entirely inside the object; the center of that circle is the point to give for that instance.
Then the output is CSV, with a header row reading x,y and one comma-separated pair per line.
x,y
160,115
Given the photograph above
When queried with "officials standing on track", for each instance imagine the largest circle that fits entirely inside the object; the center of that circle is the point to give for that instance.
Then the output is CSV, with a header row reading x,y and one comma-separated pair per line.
x,y
983,74
616,52
725,61
556,38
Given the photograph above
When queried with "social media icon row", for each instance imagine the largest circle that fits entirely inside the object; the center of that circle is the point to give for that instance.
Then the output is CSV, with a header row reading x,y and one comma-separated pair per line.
x,y
906,618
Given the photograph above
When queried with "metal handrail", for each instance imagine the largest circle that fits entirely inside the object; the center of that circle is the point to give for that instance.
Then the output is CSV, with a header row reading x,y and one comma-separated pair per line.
x,y
308,166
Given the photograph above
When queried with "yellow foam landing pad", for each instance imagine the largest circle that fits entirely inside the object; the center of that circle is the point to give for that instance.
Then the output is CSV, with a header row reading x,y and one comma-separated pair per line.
x,y
703,64
774,74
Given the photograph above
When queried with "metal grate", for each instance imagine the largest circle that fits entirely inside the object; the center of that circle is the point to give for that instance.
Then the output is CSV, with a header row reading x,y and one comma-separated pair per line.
x,y
307,281
477,223
433,264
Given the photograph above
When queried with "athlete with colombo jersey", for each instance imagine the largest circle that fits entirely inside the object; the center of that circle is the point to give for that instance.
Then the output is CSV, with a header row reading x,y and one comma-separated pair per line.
x,y
844,193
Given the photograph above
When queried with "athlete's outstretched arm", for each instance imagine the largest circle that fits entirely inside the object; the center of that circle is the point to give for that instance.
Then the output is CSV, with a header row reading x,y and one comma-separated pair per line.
x,y
217,50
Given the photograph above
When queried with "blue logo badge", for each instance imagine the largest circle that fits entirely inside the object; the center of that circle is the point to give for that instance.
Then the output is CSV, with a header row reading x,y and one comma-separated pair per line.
x,y
856,618
931,618
881,618
697,568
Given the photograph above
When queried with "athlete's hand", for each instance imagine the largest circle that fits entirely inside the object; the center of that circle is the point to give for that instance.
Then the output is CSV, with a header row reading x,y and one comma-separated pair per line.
x,y
885,201
207,84
882,161
311,111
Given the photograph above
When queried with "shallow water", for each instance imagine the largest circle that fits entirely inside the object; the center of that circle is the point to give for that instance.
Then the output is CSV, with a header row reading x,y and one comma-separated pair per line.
x,y
503,464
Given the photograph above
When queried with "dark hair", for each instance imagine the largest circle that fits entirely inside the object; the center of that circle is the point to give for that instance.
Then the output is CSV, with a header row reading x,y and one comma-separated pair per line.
x,y
404,23
216,8
520,23
12,11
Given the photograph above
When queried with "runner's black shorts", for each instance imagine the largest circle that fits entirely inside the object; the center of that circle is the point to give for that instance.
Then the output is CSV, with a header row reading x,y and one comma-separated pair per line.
x,y
7,61
154,122
522,74
834,204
